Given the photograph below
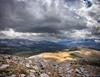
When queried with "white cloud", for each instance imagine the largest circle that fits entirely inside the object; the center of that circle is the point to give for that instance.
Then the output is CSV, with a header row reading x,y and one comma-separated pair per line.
x,y
78,34
94,10
98,41
74,34
11,34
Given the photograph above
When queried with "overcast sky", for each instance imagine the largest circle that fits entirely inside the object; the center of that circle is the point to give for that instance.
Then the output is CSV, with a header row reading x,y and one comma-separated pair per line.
x,y
50,19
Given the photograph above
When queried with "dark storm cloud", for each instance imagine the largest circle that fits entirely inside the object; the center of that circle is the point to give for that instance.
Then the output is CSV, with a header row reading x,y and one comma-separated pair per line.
x,y
21,16
51,18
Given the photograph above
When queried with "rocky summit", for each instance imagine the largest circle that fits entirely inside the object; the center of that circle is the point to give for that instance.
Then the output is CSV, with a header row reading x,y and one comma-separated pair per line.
x,y
77,63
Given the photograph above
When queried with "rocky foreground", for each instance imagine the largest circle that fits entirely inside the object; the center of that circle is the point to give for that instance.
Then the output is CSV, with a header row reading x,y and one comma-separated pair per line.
x,y
80,63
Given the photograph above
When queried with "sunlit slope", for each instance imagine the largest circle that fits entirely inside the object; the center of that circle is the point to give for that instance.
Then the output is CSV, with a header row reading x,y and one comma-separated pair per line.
x,y
70,55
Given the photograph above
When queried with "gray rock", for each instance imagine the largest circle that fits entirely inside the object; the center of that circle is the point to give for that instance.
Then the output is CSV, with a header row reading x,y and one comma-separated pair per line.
x,y
4,66
44,75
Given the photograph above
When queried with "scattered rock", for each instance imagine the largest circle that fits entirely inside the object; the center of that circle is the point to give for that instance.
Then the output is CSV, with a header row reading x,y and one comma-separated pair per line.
x,y
44,75
22,75
13,75
4,66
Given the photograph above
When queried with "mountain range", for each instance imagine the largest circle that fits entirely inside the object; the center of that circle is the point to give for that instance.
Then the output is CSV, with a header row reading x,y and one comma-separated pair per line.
x,y
12,46
81,43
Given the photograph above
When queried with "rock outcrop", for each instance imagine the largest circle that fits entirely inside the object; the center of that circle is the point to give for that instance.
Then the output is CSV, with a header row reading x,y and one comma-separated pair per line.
x,y
81,63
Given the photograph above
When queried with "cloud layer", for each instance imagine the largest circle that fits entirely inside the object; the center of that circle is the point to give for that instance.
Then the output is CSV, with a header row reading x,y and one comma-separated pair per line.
x,y
55,19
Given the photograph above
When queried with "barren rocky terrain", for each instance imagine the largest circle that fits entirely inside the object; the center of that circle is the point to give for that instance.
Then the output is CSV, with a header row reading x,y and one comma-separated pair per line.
x,y
79,63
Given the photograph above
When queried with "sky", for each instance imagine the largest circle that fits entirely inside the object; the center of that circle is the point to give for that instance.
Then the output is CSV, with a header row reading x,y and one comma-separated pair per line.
x,y
50,19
